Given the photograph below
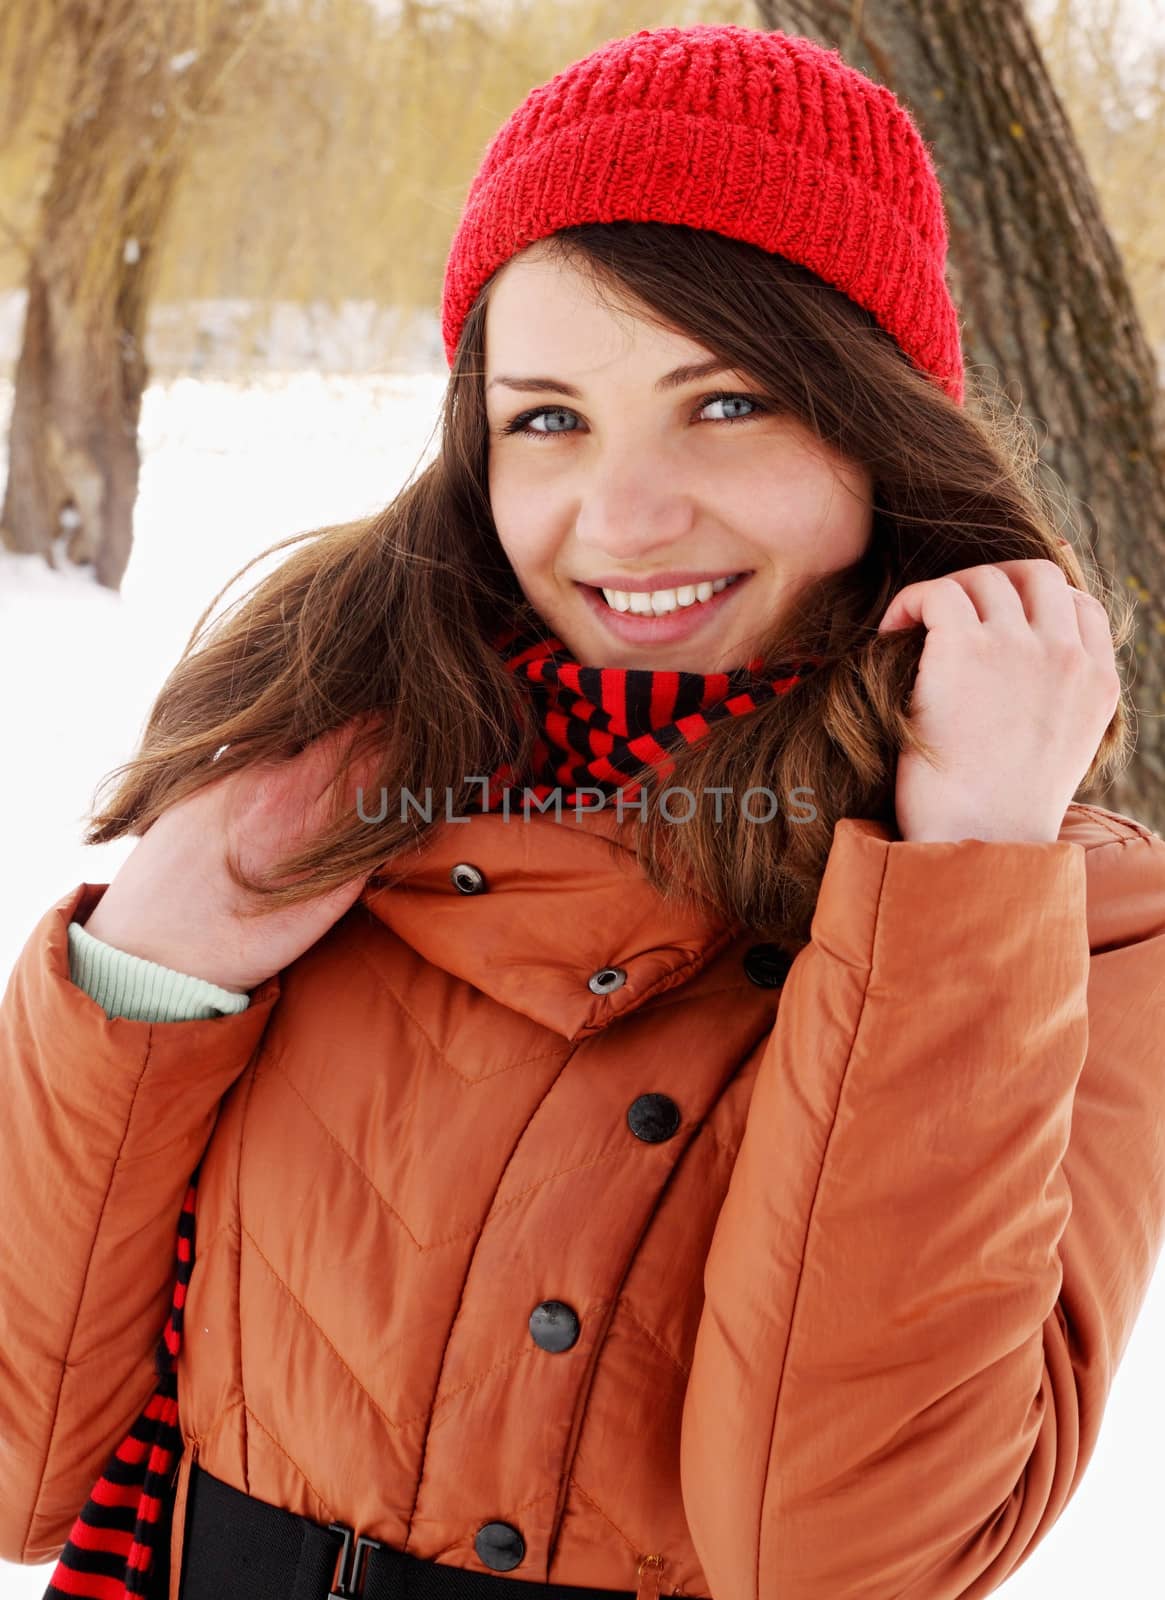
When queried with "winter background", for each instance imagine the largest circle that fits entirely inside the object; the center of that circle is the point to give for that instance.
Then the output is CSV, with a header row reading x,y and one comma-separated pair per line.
x,y
315,431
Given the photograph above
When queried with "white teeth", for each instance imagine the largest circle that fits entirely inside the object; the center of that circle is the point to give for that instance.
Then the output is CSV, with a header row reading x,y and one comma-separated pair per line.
x,y
660,601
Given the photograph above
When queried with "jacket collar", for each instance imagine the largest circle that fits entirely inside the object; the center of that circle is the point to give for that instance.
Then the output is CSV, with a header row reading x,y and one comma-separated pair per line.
x,y
563,900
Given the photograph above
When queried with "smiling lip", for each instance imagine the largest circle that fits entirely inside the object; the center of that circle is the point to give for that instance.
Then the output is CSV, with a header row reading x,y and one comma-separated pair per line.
x,y
677,624
661,580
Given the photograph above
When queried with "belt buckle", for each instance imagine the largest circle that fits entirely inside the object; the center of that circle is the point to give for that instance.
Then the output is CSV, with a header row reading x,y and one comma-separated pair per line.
x,y
347,1586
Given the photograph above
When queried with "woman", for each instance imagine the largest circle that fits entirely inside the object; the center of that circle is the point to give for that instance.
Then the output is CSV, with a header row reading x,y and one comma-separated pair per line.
x,y
673,1101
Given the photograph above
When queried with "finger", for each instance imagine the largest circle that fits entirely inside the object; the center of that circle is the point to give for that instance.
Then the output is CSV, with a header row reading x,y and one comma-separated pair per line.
x,y
1058,607
986,592
1029,584
938,600
992,587
1093,624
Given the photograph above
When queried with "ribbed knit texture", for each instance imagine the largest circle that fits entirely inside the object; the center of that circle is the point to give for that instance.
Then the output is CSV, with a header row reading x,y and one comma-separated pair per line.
x,y
765,137
595,724
130,986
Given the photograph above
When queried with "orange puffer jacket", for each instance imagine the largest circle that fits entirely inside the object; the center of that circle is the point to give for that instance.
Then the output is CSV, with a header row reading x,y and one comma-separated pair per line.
x,y
531,1198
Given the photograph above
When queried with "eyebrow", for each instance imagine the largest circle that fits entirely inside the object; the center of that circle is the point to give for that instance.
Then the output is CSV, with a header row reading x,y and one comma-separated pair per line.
x,y
670,380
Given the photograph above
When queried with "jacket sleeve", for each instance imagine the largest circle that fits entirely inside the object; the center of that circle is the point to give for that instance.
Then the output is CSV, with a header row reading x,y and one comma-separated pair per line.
x,y
105,1120
942,1221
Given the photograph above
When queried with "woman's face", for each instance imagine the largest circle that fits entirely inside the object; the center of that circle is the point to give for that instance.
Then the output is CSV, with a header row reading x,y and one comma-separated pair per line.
x,y
627,483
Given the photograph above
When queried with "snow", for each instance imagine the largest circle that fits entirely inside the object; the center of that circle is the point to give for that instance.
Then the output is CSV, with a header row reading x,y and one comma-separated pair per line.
x,y
227,469
235,338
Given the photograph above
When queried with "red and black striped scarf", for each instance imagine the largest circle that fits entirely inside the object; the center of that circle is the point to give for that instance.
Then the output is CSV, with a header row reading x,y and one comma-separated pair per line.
x,y
595,726
598,725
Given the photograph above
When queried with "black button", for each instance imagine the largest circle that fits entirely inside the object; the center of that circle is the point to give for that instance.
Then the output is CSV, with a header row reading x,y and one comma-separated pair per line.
x,y
468,878
553,1326
500,1546
767,965
653,1117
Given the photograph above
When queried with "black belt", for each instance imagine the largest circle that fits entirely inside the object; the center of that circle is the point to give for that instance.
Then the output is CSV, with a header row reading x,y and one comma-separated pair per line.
x,y
238,1548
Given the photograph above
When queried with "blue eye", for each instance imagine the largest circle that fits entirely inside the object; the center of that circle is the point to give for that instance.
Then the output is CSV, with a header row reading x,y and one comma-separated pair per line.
x,y
520,424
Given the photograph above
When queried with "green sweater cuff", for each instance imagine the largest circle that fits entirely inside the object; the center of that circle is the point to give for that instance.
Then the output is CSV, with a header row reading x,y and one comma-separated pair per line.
x,y
141,990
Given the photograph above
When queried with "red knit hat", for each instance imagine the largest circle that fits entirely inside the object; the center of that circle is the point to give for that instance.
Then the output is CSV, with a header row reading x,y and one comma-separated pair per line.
x,y
761,136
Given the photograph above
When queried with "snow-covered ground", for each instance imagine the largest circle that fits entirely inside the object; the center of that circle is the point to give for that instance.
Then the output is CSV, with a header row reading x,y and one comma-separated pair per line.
x,y
234,338
226,471
229,469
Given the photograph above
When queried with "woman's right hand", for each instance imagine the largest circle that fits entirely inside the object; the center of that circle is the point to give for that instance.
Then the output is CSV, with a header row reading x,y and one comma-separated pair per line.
x,y
172,900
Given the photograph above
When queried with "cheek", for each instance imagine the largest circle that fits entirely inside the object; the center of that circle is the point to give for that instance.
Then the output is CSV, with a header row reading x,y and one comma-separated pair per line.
x,y
524,550
524,520
810,499
510,502
493,483
505,508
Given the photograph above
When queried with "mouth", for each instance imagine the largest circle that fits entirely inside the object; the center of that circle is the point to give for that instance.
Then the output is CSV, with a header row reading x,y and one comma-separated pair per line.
x,y
640,628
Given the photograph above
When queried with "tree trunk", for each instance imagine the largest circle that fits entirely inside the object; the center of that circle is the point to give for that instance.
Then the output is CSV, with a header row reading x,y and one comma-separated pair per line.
x,y
1041,290
73,459
135,101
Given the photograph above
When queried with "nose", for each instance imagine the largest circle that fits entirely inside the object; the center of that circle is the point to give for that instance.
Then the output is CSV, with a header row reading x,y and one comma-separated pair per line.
x,y
634,511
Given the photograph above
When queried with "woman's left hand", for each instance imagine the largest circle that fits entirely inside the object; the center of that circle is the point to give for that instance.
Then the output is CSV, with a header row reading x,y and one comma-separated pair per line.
x,y
1015,688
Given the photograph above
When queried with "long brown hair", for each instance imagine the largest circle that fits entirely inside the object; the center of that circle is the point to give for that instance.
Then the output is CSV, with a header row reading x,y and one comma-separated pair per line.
x,y
392,614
